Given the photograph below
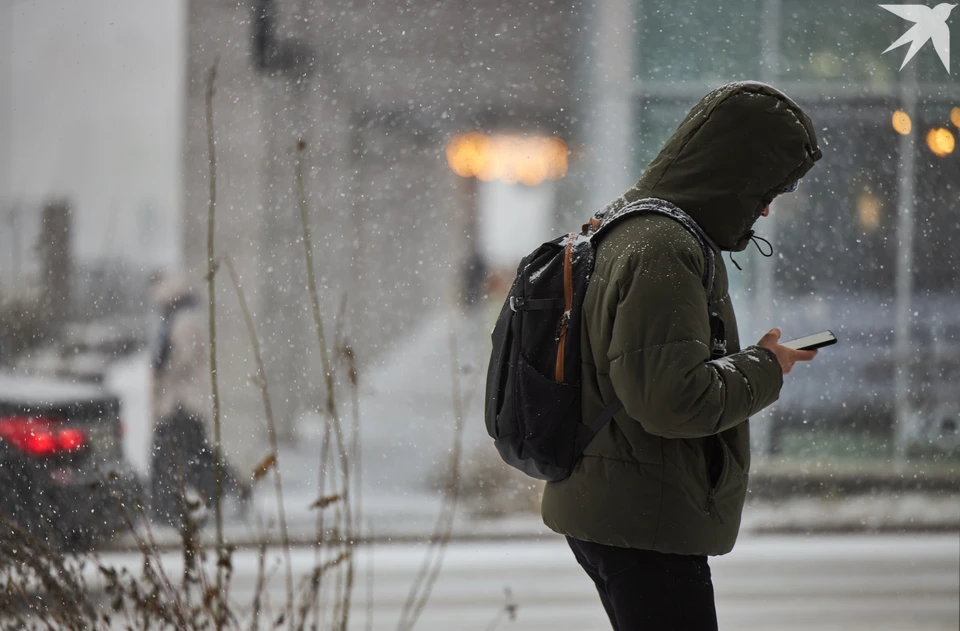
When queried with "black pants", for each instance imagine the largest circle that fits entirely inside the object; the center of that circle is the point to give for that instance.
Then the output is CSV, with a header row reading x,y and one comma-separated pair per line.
x,y
183,457
643,590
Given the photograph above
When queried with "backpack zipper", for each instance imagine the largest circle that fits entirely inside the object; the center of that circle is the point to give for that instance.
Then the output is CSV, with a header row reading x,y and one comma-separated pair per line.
x,y
561,340
567,304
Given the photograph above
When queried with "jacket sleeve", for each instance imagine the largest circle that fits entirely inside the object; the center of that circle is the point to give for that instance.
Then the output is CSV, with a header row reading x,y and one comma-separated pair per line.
x,y
659,354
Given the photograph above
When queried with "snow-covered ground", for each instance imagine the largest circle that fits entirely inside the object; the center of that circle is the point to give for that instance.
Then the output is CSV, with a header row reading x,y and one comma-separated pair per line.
x,y
406,403
769,583
407,426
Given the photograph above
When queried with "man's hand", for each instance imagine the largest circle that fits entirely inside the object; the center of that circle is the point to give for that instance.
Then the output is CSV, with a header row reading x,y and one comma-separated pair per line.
x,y
786,356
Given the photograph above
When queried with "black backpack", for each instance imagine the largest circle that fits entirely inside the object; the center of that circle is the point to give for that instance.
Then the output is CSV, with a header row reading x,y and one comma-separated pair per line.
x,y
533,381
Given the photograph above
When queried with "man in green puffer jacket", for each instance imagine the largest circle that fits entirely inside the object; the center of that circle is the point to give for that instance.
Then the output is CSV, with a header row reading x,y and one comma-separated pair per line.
x,y
662,485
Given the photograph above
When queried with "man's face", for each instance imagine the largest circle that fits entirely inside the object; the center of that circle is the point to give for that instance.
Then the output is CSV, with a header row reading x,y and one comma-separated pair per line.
x,y
790,189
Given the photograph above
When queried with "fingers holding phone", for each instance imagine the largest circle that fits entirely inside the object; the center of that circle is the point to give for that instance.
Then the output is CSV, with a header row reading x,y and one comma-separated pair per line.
x,y
786,355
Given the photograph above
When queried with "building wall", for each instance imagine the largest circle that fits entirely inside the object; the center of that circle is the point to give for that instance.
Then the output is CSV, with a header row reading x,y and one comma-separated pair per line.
x,y
90,113
374,89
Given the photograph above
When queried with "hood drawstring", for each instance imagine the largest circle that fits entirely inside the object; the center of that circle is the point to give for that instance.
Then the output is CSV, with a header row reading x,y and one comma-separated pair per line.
x,y
755,240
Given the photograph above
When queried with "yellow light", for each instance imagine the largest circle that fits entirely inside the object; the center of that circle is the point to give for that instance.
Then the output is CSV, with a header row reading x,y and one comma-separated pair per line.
x,y
466,153
941,141
558,158
868,211
507,158
955,116
901,122
533,167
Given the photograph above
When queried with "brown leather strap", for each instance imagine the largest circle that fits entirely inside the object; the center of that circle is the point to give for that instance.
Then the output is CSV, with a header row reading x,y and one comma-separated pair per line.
x,y
567,303
593,224
568,272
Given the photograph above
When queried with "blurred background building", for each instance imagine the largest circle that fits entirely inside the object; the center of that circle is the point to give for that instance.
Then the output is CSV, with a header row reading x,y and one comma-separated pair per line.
x,y
378,91
90,115
443,141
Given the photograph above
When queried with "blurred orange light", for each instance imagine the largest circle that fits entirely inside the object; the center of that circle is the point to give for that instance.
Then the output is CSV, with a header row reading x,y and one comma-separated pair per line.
x,y
902,123
955,116
941,141
557,150
466,153
868,211
508,158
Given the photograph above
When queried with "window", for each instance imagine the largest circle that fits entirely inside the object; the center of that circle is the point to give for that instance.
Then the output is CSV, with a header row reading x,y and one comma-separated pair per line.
x,y
837,233
826,40
694,40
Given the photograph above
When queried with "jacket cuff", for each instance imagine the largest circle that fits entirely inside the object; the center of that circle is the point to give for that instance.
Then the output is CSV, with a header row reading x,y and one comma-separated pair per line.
x,y
762,372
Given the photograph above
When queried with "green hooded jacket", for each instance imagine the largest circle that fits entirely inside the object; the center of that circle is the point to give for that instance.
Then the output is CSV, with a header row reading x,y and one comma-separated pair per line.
x,y
669,472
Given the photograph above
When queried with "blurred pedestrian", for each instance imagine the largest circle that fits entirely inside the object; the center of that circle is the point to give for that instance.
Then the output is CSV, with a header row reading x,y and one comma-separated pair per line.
x,y
662,486
183,463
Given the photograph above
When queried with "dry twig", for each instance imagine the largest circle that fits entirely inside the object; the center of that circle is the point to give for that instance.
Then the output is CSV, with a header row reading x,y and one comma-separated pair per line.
x,y
333,413
429,571
211,301
262,383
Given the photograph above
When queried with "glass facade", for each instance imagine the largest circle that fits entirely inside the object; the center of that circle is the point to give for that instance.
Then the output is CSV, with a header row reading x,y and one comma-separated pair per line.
x,y
835,41
831,62
843,42
837,233
680,40
838,239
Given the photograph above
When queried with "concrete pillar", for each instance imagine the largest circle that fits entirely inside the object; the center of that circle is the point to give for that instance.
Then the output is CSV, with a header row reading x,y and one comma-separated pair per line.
x,y
762,271
54,247
610,130
905,417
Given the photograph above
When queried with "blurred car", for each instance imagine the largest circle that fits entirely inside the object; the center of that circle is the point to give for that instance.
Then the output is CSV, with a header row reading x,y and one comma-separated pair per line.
x,y
62,469
851,387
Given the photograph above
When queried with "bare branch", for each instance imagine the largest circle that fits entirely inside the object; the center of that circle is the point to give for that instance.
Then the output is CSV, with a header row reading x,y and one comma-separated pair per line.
x,y
429,571
211,301
331,405
261,380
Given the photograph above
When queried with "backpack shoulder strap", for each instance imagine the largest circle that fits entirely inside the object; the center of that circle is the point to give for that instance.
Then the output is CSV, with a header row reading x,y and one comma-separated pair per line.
x,y
657,206
602,222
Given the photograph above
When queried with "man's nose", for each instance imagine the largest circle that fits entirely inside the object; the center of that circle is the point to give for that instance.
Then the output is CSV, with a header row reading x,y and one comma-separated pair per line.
x,y
766,211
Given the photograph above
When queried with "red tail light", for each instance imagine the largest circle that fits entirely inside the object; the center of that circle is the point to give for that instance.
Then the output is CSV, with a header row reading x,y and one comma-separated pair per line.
x,y
39,437
39,443
71,439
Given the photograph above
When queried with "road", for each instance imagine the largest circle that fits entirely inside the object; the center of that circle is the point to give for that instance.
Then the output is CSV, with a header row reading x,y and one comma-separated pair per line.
x,y
768,582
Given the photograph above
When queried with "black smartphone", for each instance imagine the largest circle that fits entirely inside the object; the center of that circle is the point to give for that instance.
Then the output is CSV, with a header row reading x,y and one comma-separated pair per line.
x,y
812,342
